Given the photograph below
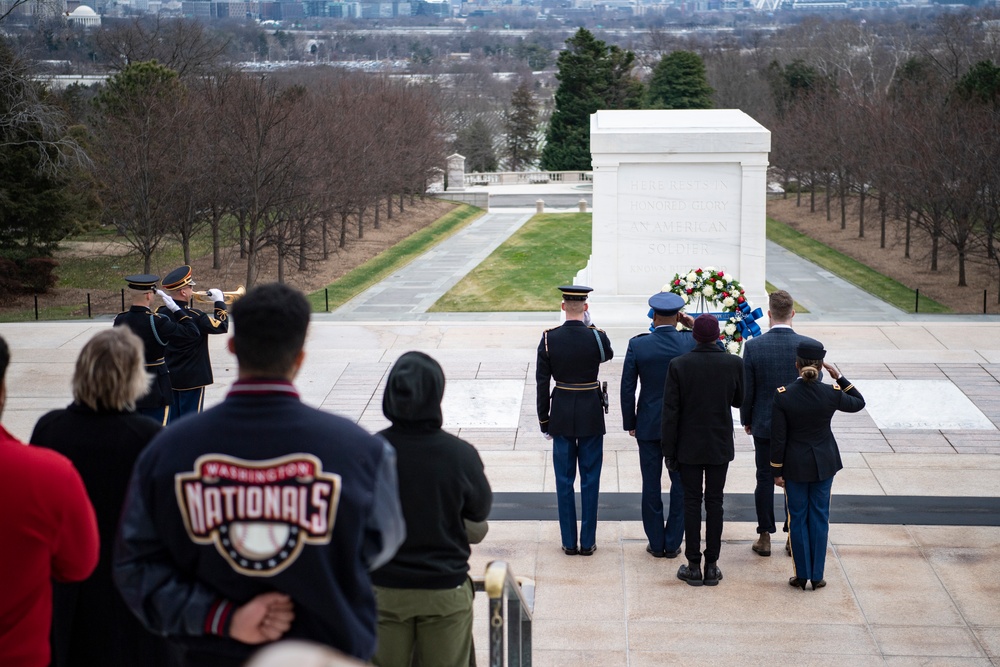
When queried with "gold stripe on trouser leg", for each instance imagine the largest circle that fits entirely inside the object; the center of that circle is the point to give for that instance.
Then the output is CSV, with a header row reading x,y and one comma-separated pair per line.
x,y
166,415
788,515
201,399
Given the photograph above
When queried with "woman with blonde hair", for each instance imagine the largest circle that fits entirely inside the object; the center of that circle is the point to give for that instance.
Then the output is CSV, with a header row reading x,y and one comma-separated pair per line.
x,y
805,457
103,436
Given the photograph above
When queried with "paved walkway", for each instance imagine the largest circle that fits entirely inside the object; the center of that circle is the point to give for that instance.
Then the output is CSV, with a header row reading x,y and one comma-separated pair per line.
x,y
913,558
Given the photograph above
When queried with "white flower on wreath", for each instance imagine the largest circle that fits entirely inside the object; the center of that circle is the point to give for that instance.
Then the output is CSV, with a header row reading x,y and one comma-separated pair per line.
x,y
691,277
708,291
730,329
689,285
728,302
719,284
733,347
686,298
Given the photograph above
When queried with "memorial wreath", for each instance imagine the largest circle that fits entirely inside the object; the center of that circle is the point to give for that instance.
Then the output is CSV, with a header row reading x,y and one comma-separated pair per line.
x,y
701,287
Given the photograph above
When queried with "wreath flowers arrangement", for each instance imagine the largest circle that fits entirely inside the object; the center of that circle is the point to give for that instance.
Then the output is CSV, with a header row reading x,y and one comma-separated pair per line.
x,y
702,287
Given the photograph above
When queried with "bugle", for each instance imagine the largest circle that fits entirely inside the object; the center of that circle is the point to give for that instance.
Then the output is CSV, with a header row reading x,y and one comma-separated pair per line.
x,y
228,297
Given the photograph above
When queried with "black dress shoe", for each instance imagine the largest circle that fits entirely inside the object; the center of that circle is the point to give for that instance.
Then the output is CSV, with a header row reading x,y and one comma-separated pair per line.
x,y
713,575
655,554
570,551
691,573
672,554
588,552
797,582
818,584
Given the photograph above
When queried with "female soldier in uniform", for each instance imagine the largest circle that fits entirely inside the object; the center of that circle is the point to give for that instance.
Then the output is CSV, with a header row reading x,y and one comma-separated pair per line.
x,y
805,457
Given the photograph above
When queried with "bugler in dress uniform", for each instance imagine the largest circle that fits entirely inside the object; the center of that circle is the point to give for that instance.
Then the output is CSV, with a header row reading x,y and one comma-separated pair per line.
x,y
187,355
573,414
155,330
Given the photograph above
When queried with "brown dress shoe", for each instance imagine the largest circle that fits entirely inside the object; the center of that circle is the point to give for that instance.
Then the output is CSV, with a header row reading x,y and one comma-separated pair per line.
x,y
762,547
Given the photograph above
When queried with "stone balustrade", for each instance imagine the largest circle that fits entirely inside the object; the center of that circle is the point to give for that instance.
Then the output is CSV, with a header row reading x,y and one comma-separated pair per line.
x,y
526,177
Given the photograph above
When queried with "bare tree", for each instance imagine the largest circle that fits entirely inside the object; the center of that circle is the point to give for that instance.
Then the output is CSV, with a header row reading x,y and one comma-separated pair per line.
x,y
184,46
138,151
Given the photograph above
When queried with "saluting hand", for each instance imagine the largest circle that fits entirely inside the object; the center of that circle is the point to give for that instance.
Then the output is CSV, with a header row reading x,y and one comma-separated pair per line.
x,y
168,301
832,370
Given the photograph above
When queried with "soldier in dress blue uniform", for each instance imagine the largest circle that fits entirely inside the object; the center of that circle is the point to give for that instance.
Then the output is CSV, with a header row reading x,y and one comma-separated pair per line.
x,y
805,456
646,363
573,414
187,354
155,330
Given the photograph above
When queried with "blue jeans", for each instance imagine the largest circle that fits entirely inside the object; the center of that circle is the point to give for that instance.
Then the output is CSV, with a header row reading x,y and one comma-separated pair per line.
x,y
588,453
809,525
662,536
186,402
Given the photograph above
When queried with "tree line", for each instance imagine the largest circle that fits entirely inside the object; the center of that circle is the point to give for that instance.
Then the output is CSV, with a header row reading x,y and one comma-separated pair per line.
x,y
892,124
283,163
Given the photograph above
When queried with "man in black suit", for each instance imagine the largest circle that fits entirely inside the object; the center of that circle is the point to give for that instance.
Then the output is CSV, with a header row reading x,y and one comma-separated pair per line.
x,y
573,415
768,363
697,435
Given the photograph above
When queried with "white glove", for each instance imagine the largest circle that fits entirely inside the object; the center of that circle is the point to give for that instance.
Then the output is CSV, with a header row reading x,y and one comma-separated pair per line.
x,y
216,295
586,318
167,301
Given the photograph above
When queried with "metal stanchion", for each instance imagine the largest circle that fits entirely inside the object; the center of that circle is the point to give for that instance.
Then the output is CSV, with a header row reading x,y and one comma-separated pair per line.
x,y
916,305
89,314
326,292
123,300
36,307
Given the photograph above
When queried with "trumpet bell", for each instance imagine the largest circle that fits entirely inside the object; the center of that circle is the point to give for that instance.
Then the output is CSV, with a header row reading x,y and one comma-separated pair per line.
x,y
227,297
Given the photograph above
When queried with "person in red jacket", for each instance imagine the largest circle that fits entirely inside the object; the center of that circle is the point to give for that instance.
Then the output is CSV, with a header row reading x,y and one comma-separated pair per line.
x,y
49,532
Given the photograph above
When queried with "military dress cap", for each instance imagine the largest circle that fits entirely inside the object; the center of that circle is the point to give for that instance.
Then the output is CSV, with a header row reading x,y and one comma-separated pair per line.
x,y
178,278
575,292
811,350
666,303
142,282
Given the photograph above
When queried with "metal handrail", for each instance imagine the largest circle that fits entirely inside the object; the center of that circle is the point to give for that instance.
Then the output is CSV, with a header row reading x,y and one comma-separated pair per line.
x,y
500,584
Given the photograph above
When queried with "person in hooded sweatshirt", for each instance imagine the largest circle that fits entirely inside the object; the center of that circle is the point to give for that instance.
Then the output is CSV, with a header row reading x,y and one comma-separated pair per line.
x,y
424,594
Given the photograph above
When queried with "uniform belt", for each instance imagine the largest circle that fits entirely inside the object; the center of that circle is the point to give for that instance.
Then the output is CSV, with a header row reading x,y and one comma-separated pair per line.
x,y
158,362
574,386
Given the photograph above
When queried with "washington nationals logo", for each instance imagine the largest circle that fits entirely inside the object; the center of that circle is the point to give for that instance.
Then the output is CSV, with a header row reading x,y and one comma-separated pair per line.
x,y
258,514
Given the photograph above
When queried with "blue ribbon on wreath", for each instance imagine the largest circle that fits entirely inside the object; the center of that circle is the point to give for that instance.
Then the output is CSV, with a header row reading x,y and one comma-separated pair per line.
x,y
745,319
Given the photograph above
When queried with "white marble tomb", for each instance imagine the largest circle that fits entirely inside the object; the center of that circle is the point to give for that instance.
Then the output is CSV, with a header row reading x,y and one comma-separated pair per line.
x,y
674,191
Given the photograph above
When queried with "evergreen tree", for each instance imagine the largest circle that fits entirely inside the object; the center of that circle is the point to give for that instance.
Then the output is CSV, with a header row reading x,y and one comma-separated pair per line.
x,y
520,124
39,164
981,83
592,76
679,82
475,142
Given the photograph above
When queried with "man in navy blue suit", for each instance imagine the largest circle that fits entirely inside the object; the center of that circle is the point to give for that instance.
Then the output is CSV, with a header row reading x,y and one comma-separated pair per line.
x,y
768,363
646,362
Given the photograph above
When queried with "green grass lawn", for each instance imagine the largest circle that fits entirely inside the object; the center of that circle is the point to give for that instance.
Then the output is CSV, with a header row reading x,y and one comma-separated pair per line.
x,y
361,278
523,273
104,271
852,271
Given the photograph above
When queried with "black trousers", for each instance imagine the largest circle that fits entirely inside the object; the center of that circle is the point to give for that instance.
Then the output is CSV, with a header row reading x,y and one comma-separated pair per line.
x,y
706,481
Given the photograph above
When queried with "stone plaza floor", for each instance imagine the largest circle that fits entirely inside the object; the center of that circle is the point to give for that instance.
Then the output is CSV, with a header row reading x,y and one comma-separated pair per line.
x,y
913,563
